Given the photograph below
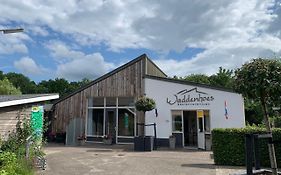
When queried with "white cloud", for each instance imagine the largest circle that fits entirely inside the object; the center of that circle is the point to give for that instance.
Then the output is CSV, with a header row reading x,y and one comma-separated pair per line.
x,y
76,65
28,66
89,66
13,43
229,31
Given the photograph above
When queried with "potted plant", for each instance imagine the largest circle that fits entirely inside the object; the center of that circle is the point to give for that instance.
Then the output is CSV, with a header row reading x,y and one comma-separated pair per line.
x,y
144,143
107,139
172,141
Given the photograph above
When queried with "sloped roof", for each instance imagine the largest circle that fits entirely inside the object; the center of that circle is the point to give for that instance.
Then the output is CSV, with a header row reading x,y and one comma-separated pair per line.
x,y
143,56
10,100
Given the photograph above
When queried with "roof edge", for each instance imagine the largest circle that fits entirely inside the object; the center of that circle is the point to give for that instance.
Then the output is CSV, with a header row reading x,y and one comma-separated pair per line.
x,y
29,100
103,77
190,83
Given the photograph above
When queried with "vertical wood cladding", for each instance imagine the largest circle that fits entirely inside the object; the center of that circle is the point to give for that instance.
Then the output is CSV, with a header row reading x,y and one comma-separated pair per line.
x,y
124,82
127,82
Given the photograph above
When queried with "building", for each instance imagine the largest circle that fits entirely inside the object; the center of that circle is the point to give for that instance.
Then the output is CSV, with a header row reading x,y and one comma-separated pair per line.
x,y
16,107
105,107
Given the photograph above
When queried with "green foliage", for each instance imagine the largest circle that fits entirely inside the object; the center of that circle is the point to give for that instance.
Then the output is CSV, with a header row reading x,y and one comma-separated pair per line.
x,y
22,82
145,104
197,78
11,165
276,121
224,78
7,88
260,79
253,111
229,146
17,139
12,152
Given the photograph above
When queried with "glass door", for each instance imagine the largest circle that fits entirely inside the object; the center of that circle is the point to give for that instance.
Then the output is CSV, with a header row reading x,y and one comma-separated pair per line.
x,y
110,124
201,129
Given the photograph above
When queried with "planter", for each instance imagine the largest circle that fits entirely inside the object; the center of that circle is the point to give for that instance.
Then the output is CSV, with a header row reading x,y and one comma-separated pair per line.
x,y
81,142
143,143
139,143
172,142
148,143
107,141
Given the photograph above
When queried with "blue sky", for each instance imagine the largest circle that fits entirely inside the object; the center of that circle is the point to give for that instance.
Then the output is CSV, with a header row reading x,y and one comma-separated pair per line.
x,y
76,39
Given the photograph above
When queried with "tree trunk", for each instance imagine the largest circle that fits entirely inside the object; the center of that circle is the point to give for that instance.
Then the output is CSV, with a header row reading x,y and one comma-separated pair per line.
x,y
271,150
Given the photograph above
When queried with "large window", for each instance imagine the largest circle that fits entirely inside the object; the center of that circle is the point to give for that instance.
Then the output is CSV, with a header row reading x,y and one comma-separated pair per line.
x,y
126,122
100,120
95,122
177,121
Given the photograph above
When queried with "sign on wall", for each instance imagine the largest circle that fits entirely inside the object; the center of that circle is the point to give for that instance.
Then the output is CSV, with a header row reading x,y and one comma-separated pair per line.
x,y
37,121
190,97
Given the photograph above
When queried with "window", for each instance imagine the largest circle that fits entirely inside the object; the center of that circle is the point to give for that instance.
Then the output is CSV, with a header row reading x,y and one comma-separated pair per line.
x,y
176,121
110,102
95,122
207,121
126,101
126,122
98,102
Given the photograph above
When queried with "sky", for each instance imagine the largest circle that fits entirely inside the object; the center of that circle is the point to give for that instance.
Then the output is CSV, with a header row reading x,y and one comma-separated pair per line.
x,y
76,39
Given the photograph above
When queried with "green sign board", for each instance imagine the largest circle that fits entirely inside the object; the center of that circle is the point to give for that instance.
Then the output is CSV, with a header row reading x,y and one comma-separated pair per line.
x,y
37,121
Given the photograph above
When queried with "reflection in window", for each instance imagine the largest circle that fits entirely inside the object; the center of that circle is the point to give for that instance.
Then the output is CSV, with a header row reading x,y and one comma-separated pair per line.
x,y
126,101
95,122
111,101
207,121
125,123
176,121
98,102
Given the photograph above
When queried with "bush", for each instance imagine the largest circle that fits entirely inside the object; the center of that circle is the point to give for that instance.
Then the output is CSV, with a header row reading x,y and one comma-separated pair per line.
x,y
10,165
229,145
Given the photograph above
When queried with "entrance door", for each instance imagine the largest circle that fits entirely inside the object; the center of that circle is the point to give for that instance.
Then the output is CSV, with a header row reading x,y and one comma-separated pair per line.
x,y
110,124
190,128
201,129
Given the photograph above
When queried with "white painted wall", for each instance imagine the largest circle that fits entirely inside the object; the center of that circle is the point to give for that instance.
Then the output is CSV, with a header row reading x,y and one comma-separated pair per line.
x,y
160,90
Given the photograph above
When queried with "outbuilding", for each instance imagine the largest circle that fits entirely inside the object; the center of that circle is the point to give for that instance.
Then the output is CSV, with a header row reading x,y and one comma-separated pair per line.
x,y
105,108
14,108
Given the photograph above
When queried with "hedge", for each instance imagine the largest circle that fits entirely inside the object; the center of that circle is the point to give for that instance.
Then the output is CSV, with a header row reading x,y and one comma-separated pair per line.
x,y
229,146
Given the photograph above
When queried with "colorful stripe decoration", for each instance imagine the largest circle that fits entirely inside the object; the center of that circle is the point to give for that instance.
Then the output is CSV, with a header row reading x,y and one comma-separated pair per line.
x,y
225,110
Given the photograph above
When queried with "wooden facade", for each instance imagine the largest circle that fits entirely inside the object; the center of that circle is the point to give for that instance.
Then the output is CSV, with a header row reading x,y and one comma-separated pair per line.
x,y
125,81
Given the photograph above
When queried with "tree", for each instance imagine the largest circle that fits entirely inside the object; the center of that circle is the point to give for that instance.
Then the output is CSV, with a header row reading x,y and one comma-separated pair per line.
x,y
7,88
224,78
22,82
197,78
260,79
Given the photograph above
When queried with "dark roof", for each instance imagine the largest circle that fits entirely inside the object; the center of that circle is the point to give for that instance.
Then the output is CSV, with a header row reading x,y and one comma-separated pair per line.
x,y
5,98
143,56
189,83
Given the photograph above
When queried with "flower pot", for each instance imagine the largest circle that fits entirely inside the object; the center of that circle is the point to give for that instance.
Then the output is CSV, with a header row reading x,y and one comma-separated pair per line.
x,y
107,141
139,143
172,142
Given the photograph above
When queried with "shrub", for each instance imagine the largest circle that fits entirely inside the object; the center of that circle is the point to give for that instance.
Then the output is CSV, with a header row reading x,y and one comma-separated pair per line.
x,y
229,145
10,165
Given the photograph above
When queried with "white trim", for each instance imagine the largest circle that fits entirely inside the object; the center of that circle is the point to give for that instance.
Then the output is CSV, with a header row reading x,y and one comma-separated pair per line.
x,y
93,141
95,136
129,137
29,100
